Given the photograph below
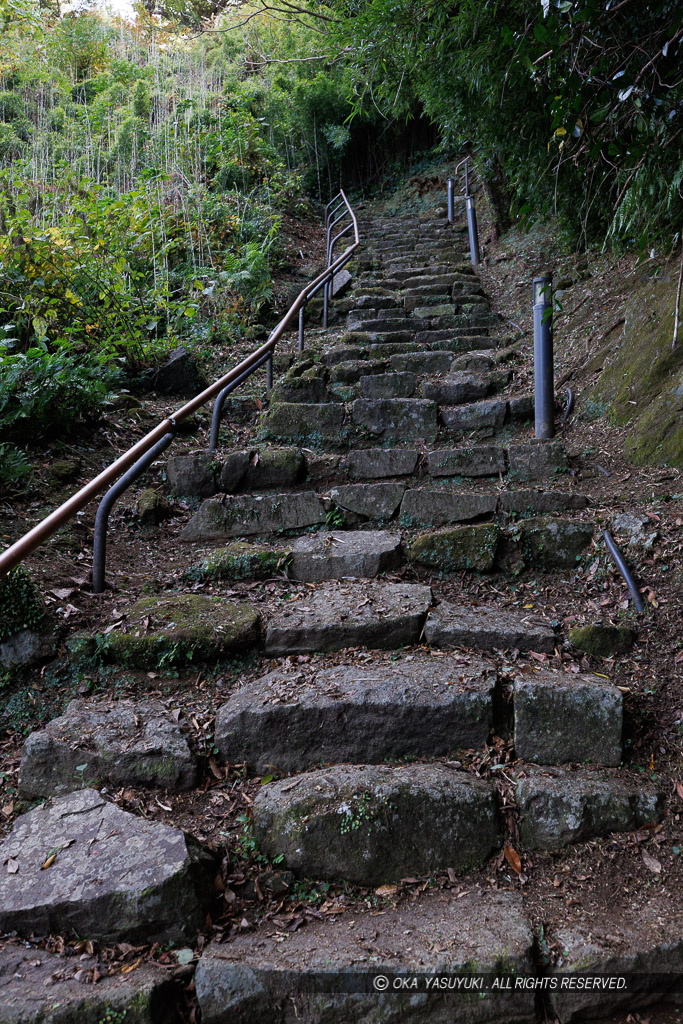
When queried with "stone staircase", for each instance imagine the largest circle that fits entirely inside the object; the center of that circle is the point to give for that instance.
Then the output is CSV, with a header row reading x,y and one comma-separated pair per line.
x,y
392,458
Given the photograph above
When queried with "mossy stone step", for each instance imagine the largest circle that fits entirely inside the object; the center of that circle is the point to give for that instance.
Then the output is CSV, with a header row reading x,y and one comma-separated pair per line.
x,y
241,561
432,506
374,463
396,417
422,362
388,385
372,501
456,388
243,515
342,555
422,706
470,461
489,414
301,420
371,824
486,627
466,548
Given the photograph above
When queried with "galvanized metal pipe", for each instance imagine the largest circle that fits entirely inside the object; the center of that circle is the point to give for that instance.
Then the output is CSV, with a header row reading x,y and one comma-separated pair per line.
x,y
544,383
302,312
625,571
472,230
220,402
99,553
451,201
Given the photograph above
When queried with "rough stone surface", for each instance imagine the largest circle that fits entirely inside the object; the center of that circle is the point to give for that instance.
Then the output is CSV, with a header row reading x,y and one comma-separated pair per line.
x,y
539,502
396,417
488,628
383,616
115,876
179,375
473,362
115,743
247,515
333,556
29,646
475,460
152,508
37,987
554,543
233,470
274,467
589,709
422,362
421,706
179,628
375,501
240,983
464,548
537,460
193,473
522,408
388,385
309,390
456,388
375,463
559,807
241,561
352,371
303,421
602,640
372,824
423,506
475,416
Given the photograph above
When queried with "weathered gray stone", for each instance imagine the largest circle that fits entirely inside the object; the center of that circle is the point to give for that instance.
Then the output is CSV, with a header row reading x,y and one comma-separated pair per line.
x,y
242,982
388,385
37,987
119,743
422,362
352,371
29,646
589,709
372,824
309,390
463,340
559,807
340,354
241,561
539,502
233,470
522,407
375,463
487,628
440,309
179,375
554,543
456,388
193,473
637,531
382,616
152,508
319,466
421,706
537,460
341,282
474,460
114,876
245,515
602,640
475,416
396,417
424,506
375,501
473,362
274,467
300,420
464,548
180,628
333,556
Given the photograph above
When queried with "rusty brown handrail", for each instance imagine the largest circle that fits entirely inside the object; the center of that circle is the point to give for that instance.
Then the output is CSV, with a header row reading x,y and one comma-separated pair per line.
x,y
32,540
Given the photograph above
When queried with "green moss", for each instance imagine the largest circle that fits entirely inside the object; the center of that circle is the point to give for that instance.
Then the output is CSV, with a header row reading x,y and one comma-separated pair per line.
x,y
21,606
465,547
602,641
241,561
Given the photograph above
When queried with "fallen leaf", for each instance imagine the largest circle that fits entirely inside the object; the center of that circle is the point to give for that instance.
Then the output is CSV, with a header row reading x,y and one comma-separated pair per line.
x,y
679,789
651,863
512,857
164,807
12,865
63,594
131,967
49,862
386,891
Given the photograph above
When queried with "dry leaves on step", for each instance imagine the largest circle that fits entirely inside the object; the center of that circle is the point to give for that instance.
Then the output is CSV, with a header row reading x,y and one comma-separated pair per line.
x,y
651,863
512,857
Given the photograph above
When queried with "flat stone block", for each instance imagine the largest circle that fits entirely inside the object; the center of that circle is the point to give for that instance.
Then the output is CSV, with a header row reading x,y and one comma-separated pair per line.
x,y
589,709
423,506
241,561
537,460
114,876
333,556
117,743
351,372
554,543
488,628
602,640
470,548
382,616
388,385
560,807
193,473
274,467
299,420
245,515
375,463
473,417
473,460
375,501
422,362
396,417
421,706
372,824
539,502
456,388
233,469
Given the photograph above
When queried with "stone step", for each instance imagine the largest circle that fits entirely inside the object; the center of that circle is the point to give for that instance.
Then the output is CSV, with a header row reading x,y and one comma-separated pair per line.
x,y
249,515
422,362
456,388
342,555
388,385
390,324
487,931
288,419
113,876
292,720
475,416
371,824
488,628
380,616
377,501
396,417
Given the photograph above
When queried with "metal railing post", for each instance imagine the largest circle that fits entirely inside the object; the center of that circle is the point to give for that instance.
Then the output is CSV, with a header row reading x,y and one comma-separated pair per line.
x,y
544,384
269,372
302,312
472,230
451,201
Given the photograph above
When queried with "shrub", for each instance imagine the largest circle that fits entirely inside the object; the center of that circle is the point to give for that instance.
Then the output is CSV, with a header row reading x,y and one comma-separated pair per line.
x,y
21,606
15,469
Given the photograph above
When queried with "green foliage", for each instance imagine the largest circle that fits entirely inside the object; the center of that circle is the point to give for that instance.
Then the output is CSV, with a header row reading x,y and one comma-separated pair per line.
x,y
21,606
15,469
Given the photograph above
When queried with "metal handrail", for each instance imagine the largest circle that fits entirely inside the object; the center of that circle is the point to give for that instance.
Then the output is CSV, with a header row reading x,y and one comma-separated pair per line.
x,y
32,540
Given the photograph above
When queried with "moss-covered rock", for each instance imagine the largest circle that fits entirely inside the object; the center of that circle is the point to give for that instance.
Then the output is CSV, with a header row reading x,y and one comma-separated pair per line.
x,y
174,629
63,471
301,420
241,561
152,508
274,467
602,641
549,543
21,606
466,547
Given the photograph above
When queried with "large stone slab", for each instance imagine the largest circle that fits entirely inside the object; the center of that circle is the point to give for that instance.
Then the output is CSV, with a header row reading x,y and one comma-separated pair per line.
x,y
562,717
114,876
388,385
554,543
37,987
396,417
537,460
559,807
375,463
422,362
372,824
469,548
117,743
426,506
244,515
456,388
241,561
476,416
487,628
353,370
181,628
472,460
531,503
374,501
302,421
333,556
245,981
294,719
274,467
382,616
193,473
